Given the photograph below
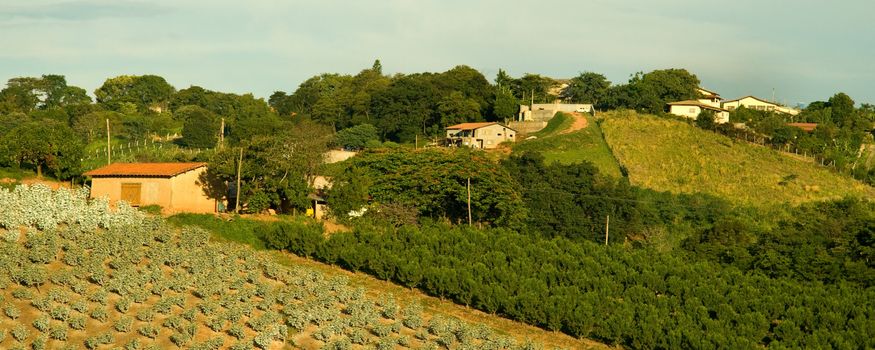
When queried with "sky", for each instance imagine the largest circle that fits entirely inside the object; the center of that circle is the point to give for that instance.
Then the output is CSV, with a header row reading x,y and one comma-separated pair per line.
x,y
797,51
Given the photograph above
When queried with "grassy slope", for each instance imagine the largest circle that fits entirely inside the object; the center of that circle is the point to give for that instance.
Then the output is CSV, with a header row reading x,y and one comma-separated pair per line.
x,y
583,145
240,230
669,155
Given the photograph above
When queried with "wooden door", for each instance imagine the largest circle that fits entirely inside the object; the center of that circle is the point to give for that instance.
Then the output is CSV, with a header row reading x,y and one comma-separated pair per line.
x,y
131,193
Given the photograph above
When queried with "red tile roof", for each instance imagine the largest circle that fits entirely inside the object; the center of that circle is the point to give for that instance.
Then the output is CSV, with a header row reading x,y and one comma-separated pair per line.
x,y
809,127
469,126
144,169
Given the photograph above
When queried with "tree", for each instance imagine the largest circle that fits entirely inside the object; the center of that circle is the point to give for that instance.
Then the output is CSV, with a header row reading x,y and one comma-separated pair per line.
x,y
48,144
588,87
455,108
277,168
200,128
506,105
25,94
705,120
434,181
146,92
356,137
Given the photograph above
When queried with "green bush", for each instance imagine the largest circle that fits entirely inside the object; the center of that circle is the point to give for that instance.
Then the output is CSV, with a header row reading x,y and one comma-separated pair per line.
x,y
300,238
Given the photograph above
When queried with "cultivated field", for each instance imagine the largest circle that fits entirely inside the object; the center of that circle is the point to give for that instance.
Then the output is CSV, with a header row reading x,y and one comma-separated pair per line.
x,y
670,155
74,275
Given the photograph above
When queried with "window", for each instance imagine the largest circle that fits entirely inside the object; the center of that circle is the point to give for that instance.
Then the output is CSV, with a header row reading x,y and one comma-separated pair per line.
x,y
499,134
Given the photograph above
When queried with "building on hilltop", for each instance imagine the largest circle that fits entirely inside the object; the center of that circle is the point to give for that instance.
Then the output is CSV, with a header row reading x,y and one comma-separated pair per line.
x,y
176,187
709,97
692,108
758,104
479,135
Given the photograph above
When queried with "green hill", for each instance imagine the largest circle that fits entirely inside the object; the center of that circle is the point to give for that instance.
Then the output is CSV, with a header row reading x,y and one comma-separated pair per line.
x,y
586,144
670,155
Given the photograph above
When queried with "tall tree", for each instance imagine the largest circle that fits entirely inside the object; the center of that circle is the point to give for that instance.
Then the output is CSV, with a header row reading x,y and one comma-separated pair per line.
x,y
200,128
146,92
588,87
277,168
44,144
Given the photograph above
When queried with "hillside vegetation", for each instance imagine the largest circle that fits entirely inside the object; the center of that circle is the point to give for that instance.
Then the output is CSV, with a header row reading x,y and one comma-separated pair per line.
x,y
586,144
74,274
670,155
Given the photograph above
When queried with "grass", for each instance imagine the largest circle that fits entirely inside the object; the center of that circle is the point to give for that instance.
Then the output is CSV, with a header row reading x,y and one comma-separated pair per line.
x,y
586,144
558,123
231,228
670,155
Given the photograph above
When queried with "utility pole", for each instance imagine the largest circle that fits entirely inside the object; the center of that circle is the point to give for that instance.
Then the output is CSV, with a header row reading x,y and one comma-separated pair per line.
x,y
607,226
237,196
416,142
469,201
222,134
533,101
108,145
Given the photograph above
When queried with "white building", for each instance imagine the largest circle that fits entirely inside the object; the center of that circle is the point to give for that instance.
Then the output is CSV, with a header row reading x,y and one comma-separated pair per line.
x,y
758,104
479,135
692,108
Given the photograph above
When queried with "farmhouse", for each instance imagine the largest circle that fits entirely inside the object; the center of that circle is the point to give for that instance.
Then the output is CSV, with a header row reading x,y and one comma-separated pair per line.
x,y
708,97
692,108
479,135
176,187
758,104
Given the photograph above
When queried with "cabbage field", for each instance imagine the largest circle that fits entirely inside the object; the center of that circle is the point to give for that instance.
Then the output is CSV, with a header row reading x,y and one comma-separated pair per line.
x,y
78,274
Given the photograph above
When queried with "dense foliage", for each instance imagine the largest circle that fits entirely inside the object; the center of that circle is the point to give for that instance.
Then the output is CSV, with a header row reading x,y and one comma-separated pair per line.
x,y
434,181
842,133
637,298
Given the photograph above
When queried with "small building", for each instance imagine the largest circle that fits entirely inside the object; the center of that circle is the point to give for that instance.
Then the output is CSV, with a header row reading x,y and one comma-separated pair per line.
x,y
479,135
758,104
708,97
176,187
692,108
806,127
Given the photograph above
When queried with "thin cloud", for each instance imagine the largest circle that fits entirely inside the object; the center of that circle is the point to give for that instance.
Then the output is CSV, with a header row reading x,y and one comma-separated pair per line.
x,y
80,10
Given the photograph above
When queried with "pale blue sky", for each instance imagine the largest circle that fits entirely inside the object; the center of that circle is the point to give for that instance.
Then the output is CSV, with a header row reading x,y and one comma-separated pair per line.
x,y
804,50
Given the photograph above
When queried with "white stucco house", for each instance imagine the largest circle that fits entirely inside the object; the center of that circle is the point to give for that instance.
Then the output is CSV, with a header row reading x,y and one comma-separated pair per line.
x,y
758,104
692,108
479,135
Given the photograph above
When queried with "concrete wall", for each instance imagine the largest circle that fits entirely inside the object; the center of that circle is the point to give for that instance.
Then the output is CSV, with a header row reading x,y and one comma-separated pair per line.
x,y
188,193
527,127
336,156
182,193
153,190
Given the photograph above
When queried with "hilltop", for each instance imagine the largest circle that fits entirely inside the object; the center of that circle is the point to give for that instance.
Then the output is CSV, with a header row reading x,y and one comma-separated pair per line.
x,y
670,155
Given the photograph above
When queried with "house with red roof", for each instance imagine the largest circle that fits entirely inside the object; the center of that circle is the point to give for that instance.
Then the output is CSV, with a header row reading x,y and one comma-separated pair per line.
x,y
479,135
176,187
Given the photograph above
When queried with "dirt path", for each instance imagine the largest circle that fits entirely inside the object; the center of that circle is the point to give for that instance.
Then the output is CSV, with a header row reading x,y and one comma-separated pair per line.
x,y
579,123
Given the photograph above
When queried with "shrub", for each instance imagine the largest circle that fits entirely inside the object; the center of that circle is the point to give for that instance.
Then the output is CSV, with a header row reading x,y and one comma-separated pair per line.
x,y
148,331
299,238
77,322
123,324
11,311
41,324
20,333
